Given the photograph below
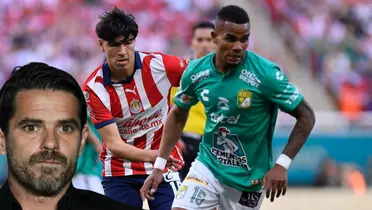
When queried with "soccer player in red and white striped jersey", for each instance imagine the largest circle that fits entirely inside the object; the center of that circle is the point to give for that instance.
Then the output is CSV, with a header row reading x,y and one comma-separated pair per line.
x,y
128,100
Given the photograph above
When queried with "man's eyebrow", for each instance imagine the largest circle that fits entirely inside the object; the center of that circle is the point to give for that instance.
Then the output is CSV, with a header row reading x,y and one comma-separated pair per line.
x,y
27,120
69,121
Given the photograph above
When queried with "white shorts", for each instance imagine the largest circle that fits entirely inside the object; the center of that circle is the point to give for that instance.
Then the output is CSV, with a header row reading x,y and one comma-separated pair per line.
x,y
201,190
88,182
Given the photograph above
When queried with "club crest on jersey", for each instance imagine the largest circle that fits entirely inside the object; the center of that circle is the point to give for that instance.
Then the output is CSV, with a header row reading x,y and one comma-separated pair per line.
x,y
244,98
135,106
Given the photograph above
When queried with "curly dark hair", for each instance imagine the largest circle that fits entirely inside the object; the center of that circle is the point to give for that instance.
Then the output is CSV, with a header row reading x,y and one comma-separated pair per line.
x,y
116,23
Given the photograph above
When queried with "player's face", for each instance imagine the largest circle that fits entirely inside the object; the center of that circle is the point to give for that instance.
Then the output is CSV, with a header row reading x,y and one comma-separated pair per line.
x,y
119,53
202,42
232,41
44,140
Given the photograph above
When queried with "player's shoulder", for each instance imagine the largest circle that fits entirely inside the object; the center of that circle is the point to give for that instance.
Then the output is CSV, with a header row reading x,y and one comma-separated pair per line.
x,y
95,77
261,61
200,64
161,61
94,201
262,67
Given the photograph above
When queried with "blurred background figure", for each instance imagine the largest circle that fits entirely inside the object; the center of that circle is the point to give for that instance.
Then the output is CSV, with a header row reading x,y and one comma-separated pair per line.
x,y
324,47
201,44
89,167
329,175
3,170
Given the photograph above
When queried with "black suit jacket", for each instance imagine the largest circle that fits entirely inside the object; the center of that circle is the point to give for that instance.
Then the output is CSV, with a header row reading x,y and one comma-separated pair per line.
x,y
74,199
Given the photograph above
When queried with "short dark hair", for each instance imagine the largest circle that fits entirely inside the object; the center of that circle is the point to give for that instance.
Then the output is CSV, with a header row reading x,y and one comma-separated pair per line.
x,y
37,76
234,14
201,25
116,23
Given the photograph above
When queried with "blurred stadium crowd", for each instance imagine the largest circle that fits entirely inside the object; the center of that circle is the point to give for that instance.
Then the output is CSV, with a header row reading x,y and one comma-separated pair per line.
x,y
334,37
61,32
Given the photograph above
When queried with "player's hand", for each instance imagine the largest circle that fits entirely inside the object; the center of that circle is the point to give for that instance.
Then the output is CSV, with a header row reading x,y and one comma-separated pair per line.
x,y
173,164
151,184
275,182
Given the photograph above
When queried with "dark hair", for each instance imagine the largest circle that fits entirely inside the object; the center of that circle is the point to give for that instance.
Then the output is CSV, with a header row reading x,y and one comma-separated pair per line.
x,y
234,14
37,76
116,23
202,25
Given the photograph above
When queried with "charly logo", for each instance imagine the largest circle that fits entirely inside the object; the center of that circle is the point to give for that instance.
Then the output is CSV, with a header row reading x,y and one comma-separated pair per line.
x,y
135,106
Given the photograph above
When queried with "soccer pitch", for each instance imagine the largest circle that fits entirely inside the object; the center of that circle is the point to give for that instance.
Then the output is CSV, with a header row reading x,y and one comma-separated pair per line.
x,y
319,199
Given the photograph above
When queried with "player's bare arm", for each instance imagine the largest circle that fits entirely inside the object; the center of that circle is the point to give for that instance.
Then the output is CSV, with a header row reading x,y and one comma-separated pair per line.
x,y
275,181
110,136
92,138
172,132
305,122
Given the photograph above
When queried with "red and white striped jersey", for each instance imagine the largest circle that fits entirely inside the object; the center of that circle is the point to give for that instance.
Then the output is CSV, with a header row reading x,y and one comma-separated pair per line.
x,y
138,105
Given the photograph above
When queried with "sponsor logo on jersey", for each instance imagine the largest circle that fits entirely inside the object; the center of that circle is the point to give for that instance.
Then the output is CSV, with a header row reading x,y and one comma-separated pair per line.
x,y
250,78
171,176
279,75
293,97
204,94
216,118
128,90
182,191
200,76
139,123
250,199
183,62
223,103
244,98
194,178
256,181
135,106
227,148
185,99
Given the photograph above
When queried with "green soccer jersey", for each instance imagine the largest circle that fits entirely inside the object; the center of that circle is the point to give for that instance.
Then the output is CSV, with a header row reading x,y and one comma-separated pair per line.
x,y
241,108
88,162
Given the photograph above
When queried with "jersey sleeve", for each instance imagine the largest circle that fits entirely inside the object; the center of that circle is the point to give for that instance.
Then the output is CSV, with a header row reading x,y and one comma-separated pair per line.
x,y
99,114
185,96
174,68
279,90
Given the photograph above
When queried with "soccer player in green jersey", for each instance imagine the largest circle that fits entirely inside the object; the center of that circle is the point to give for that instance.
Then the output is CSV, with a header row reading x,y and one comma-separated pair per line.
x,y
88,170
241,92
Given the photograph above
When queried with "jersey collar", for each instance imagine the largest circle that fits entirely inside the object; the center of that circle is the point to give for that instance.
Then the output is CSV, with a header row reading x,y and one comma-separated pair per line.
x,y
231,71
107,74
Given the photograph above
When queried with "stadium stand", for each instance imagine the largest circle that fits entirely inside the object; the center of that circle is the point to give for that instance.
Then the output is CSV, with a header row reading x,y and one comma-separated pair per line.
x,y
335,39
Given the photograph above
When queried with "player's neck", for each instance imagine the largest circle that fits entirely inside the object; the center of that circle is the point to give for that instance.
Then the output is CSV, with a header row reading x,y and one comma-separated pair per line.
x,y
220,65
196,56
118,75
28,200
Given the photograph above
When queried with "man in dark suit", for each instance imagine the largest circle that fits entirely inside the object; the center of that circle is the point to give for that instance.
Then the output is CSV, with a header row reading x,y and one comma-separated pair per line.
x,y
43,117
